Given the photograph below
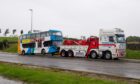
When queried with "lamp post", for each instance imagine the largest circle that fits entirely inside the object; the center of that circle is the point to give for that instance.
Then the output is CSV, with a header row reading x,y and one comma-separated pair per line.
x,y
31,10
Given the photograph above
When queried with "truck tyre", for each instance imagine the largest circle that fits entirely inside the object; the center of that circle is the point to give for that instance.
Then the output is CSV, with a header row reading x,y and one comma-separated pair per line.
x,y
63,53
116,58
23,52
108,55
70,53
93,55
52,54
43,52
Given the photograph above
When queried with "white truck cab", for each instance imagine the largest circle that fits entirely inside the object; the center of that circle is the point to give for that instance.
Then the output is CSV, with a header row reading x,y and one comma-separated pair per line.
x,y
112,43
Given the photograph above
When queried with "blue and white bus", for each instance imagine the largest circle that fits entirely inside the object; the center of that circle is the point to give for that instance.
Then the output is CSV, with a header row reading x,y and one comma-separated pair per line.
x,y
40,43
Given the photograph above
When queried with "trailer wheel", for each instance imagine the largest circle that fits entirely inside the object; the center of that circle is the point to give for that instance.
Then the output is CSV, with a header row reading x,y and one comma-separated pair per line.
x,y
43,52
23,52
93,55
70,53
108,55
63,53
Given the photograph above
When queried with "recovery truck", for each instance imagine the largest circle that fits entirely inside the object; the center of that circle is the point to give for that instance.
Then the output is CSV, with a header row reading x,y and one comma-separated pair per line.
x,y
109,45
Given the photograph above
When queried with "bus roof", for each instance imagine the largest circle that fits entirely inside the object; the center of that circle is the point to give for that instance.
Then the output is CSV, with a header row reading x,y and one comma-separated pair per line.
x,y
43,31
54,31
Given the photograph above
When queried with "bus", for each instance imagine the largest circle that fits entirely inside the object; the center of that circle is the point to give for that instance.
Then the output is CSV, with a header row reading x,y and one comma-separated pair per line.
x,y
40,43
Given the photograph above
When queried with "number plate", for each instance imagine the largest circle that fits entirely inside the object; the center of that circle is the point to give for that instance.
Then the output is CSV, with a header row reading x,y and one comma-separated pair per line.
x,y
79,53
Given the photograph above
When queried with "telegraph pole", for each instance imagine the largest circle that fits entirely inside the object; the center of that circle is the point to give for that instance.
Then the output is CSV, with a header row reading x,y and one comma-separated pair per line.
x,y
31,10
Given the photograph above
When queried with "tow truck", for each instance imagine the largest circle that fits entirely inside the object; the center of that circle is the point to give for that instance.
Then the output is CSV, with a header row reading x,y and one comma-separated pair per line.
x,y
109,45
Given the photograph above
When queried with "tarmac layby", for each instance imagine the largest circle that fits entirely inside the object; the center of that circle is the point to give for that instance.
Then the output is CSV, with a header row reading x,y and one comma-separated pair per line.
x,y
110,67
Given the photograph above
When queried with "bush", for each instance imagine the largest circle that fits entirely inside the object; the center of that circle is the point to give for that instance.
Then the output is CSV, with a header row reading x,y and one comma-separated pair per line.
x,y
1,45
5,42
133,46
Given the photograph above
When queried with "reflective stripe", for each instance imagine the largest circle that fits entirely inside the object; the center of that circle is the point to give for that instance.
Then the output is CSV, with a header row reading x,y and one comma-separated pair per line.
x,y
107,45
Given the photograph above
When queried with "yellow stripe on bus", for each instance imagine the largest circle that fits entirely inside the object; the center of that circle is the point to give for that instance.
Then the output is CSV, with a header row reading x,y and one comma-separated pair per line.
x,y
26,41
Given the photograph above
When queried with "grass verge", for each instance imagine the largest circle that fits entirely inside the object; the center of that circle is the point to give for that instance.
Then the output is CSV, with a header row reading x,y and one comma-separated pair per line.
x,y
32,75
133,54
12,48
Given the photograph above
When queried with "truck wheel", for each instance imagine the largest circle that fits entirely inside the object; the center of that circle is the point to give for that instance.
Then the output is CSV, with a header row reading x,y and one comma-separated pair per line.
x,y
70,53
93,55
23,52
108,56
116,58
63,53
52,54
43,52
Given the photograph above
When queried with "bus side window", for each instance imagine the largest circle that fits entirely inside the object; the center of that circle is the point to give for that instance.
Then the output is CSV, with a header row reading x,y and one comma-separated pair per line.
x,y
43,34
32,36
47,33
29,45
25,45
32,45
28,36
24,37
47,43
38,35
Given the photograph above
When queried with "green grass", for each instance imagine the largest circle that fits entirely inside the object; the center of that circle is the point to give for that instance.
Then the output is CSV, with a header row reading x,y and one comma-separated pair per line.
x,y
32,75
133,54
12,48
10,39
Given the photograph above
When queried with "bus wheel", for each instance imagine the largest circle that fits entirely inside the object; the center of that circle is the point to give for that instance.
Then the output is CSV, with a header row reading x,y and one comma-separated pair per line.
x,y
23,52
70,53
108,56
93,55
63,53
43,52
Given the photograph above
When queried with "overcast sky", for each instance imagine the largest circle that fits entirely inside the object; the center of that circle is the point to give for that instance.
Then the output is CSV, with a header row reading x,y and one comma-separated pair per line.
x,y
73,17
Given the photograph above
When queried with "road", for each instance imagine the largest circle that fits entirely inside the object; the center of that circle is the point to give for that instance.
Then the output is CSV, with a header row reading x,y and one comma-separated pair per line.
x,y
110,67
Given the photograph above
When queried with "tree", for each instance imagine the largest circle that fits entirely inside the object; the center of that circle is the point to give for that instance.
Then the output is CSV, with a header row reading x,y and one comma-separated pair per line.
x,y
14,31
29,32
6,32
133,39
21,32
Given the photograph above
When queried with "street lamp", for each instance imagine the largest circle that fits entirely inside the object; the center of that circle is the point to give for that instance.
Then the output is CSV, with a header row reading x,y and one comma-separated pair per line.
x,y
31,19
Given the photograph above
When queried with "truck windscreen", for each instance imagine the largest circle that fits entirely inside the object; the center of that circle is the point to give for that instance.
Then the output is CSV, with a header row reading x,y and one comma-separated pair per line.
x,y
120,38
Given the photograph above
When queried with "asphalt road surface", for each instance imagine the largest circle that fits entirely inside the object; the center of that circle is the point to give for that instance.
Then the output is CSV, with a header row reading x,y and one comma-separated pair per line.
x,y
110,67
